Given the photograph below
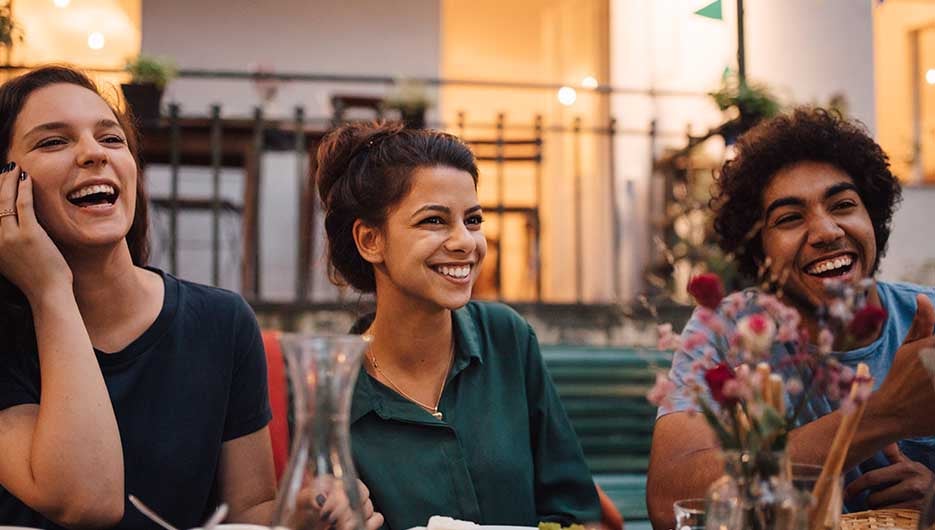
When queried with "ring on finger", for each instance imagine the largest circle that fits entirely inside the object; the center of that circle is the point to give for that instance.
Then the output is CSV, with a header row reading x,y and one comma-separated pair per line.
x,y
7,211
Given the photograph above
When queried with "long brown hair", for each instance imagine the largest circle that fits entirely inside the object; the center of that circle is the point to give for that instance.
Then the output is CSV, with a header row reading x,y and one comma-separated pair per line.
x,y
15,315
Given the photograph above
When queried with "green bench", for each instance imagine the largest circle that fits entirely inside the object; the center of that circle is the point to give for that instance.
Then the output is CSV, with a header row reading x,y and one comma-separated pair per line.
x,y
604,392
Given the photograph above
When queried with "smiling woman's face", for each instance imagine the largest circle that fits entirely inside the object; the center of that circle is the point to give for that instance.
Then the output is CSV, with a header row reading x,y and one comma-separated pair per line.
x,y
432,243
815,227
84,176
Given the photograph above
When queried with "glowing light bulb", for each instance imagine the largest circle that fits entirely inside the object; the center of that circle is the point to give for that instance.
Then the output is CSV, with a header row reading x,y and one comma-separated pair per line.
x,y
567,96
61,3
930,76
95,40
589,82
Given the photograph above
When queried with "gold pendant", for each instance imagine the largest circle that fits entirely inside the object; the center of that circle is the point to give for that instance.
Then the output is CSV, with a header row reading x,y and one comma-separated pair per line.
x,y
437,414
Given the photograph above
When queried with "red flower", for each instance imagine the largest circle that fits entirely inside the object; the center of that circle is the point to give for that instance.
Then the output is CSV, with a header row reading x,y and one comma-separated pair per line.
x,y
716,378
758,323
707,290
866,321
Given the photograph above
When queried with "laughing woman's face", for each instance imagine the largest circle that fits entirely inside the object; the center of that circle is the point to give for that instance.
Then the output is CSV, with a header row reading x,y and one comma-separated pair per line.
x,y
71,144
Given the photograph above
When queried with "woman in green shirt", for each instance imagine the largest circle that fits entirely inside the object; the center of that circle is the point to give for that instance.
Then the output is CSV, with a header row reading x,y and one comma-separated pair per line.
x,y
454,413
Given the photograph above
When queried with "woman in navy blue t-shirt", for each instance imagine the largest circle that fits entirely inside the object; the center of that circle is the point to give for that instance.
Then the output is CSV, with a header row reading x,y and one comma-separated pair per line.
x,y
115,378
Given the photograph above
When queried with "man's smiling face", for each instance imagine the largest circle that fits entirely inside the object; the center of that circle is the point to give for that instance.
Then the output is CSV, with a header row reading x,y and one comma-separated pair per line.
x,y
815,226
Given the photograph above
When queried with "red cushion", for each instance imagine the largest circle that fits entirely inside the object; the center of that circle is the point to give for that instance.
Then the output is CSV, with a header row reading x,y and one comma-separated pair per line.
x,y
278,400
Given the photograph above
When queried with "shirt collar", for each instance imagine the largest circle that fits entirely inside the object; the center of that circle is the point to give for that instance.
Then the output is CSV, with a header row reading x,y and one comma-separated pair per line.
x,y
467,348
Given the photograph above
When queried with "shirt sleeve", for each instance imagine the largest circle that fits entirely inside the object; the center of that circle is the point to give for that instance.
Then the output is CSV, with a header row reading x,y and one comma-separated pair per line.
x,y
681,373
564,489
248,409
19,379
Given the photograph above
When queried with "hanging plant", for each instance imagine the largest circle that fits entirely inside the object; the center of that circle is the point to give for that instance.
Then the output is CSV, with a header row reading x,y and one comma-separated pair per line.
x,y
9,30
749,102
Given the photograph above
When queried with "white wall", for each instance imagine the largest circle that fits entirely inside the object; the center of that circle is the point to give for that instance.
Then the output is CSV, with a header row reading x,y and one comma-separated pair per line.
x,y
367,37
362,37
805,49
810,50
911,252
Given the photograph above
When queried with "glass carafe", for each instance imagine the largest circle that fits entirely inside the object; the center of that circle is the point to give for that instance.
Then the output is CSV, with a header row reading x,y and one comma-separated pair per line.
x,y
755,493
322,371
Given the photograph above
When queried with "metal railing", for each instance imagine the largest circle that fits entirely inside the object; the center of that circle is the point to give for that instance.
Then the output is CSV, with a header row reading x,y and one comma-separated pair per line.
x,y
219,143
210,141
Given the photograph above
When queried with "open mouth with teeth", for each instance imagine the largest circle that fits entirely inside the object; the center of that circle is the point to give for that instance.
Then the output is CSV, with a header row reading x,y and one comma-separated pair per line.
x,y
455,272
98,195
832,267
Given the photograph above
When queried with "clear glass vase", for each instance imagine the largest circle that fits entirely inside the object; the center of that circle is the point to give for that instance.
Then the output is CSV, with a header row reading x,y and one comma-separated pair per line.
x,y
755,493
322,371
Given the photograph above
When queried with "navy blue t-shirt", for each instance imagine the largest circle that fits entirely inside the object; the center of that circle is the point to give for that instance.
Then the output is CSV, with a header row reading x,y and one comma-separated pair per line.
x,y
192,381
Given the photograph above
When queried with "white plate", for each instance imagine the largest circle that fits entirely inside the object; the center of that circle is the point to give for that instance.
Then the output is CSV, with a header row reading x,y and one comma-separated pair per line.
x,y
490,527
234,527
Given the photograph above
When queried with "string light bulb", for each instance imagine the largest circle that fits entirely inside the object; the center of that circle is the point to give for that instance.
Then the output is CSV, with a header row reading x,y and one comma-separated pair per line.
x,y
589,82
567,96
95,40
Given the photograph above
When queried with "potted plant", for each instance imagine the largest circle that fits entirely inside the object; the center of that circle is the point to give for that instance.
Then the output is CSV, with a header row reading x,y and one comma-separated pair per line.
x,y
750,102
9,31
148,78
411,99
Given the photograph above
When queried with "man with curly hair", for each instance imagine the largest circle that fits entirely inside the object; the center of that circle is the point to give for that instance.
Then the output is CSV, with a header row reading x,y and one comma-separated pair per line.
x,y
810,196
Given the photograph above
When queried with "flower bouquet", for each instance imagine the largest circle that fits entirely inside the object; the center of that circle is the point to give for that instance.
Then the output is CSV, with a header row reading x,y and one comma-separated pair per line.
x,y
753,376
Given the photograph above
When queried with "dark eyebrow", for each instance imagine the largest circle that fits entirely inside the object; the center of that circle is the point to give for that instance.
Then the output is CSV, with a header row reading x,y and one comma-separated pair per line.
x,y
59,125
785,201
793,201
443,209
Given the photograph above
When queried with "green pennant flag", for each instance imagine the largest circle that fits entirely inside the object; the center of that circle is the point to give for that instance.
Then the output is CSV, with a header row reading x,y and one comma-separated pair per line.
x,y
712,10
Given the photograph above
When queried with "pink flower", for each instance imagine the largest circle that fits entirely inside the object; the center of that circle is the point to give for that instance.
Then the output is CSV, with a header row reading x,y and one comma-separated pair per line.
x,y
867,321
838,309
770,304
711,321
756,333
794,386
735,303
660,394
707,290
695,341
716,378
788,332
825,341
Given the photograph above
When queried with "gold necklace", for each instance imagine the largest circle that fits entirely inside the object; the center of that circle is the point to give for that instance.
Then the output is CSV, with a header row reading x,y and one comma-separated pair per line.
x,y
431,410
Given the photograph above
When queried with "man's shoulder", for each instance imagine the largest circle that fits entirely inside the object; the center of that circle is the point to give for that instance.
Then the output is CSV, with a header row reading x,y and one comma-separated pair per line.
x,y
906,290
900,297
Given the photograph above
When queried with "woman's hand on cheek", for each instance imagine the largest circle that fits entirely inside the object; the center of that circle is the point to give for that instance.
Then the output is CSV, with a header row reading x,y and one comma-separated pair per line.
x,y
28,257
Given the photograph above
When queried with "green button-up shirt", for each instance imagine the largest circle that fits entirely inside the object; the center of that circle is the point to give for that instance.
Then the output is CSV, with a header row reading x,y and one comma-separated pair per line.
x,y
505,452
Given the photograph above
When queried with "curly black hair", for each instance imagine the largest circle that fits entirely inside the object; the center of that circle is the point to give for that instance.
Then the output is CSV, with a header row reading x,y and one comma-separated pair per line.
x,y
805,134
